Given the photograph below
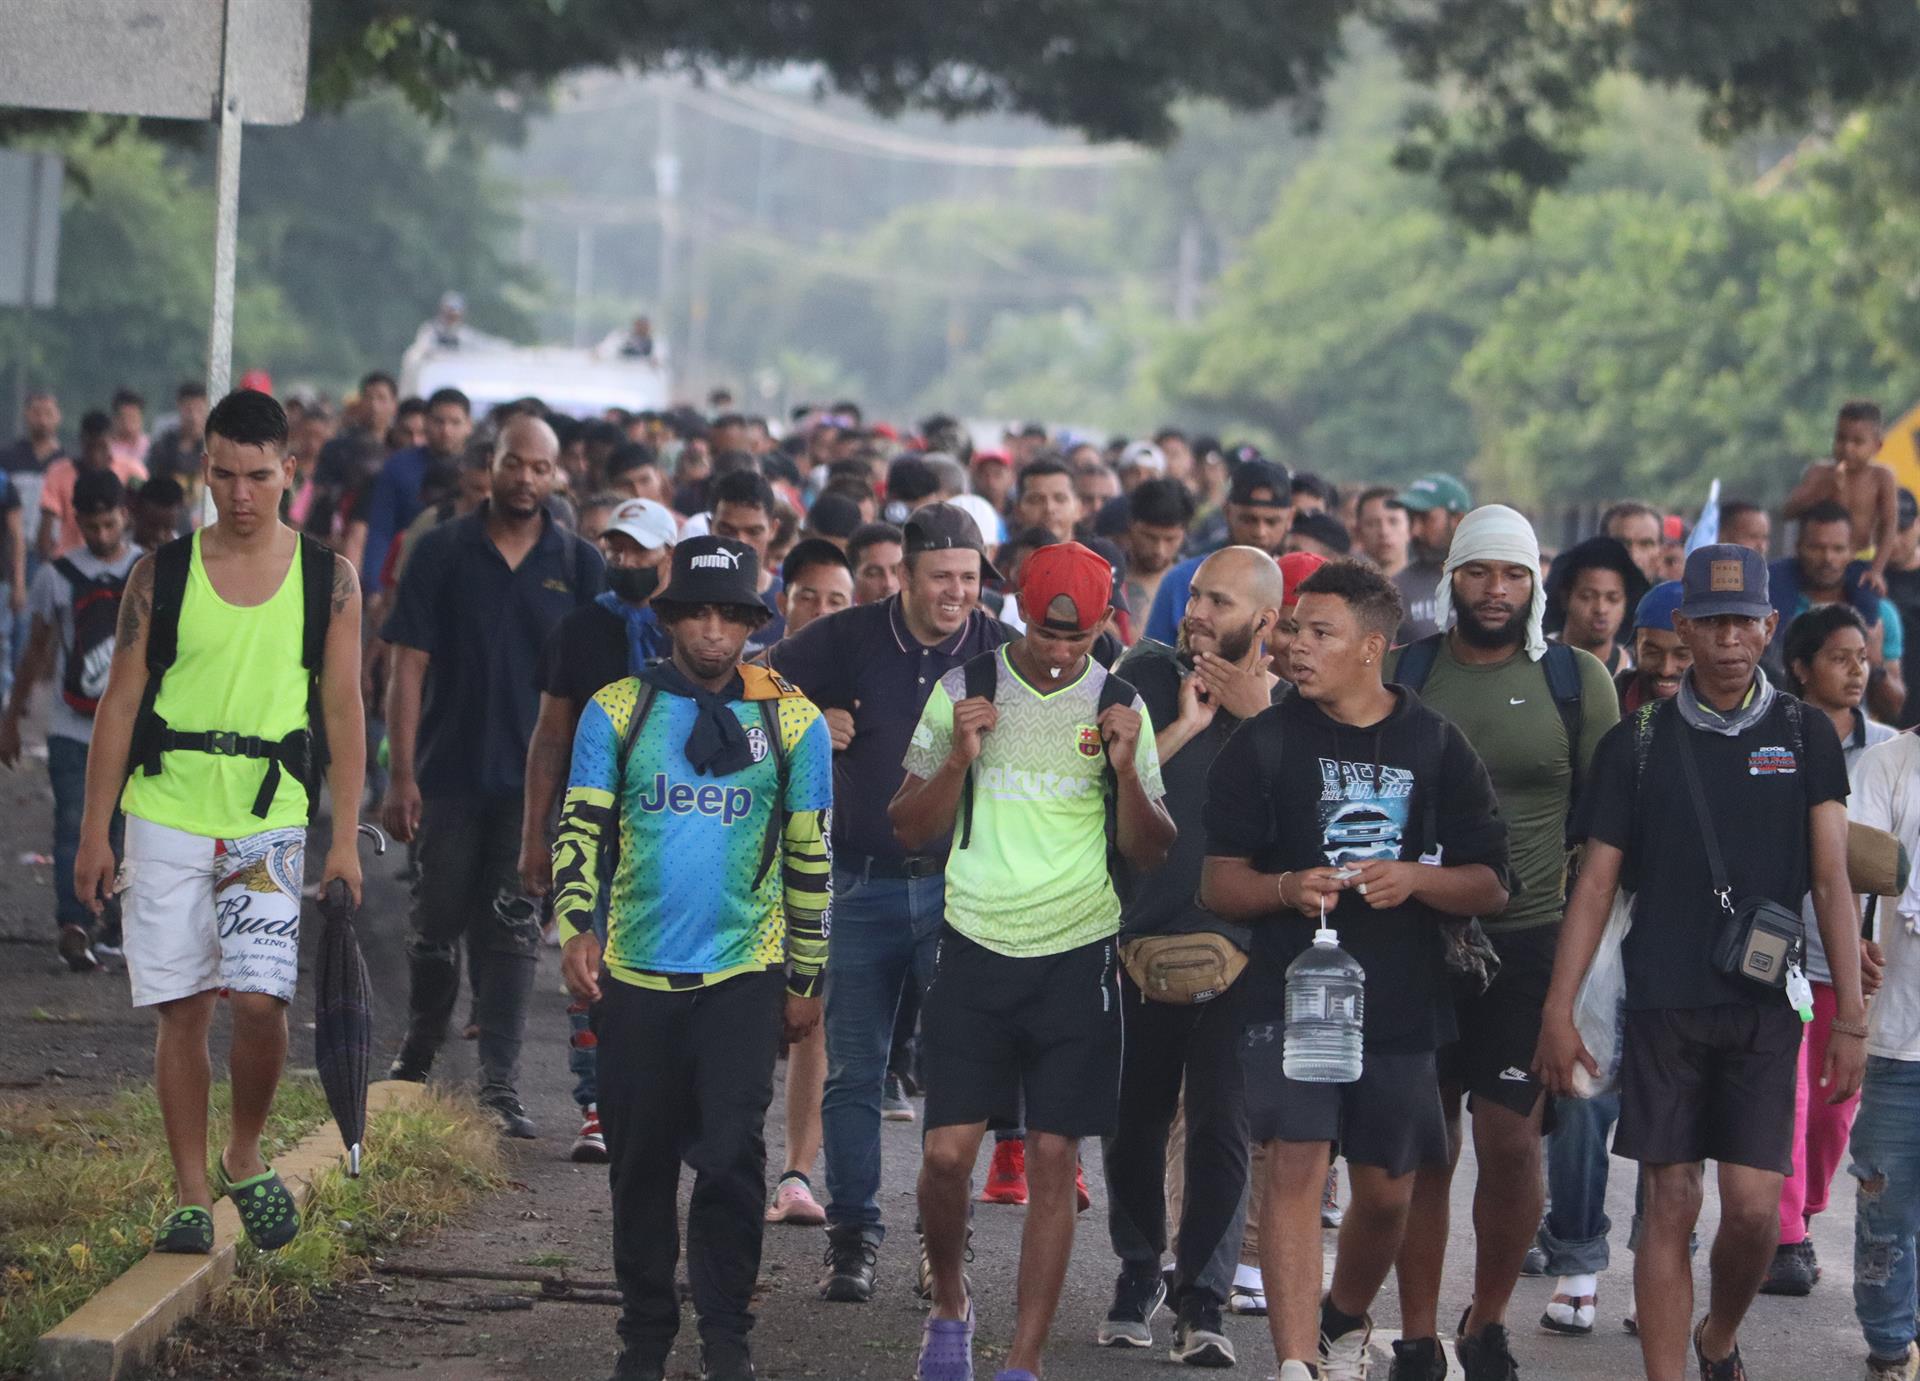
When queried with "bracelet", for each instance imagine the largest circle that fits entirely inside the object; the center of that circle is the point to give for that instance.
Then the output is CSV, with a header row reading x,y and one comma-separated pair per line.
x,y
1280,887
1856,1029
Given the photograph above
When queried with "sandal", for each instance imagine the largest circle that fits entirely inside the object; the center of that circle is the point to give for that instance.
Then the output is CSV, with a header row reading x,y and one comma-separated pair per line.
x,y
1571,1310
267,1209
187,1231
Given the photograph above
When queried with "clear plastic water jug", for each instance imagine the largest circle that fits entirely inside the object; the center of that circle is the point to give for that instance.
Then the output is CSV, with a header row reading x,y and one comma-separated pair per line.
x,y
1326,1012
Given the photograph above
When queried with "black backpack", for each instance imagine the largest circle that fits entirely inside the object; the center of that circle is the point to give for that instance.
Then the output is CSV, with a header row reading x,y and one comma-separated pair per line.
x,y
982,679
304,751
96,620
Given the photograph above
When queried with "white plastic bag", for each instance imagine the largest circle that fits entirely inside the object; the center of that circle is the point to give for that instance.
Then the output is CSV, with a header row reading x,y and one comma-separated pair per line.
x,y
1600,1007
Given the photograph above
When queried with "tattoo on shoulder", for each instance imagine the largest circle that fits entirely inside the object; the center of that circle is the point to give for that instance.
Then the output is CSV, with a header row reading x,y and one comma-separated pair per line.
x,y
136,604
345,582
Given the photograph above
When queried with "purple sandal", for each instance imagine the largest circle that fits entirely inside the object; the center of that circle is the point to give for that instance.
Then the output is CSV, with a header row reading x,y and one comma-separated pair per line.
x,y
946,1349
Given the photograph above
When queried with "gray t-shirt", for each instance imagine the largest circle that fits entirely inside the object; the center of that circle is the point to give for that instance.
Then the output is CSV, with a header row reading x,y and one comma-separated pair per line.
x,y
51,600
1419,586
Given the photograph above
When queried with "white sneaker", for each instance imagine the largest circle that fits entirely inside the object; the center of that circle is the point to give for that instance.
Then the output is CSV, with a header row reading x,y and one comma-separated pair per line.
x,y
1345,1358
1905,1369
1295,1371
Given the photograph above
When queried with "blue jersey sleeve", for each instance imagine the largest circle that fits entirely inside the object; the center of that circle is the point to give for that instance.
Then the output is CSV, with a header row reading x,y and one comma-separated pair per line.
x,y
810,769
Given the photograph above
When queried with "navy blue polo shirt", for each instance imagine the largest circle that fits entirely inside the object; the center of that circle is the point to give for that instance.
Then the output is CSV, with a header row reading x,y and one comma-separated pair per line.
x,y
484,624
866,654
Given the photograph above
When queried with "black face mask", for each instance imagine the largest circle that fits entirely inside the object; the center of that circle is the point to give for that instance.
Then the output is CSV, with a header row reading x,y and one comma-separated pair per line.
x,y
634,584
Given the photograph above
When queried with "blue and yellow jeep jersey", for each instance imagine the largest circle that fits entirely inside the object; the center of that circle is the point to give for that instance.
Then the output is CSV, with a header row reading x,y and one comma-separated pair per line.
x,y
714,877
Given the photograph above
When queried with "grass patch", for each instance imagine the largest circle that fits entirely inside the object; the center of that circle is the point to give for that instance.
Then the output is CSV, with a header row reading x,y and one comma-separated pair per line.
x,y
422,1164
82,1191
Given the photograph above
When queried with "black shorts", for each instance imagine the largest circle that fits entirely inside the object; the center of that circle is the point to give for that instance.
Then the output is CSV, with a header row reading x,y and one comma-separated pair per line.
x,y
1500,1028
1710,1083
995,1030
1390,1117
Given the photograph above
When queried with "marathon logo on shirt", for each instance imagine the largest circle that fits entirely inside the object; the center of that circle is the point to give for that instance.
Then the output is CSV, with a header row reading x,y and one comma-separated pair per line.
x,y
717,561
1771,762
730,803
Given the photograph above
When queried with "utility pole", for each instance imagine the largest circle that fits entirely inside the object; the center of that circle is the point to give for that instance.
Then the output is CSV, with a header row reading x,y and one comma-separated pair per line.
x,y
666,187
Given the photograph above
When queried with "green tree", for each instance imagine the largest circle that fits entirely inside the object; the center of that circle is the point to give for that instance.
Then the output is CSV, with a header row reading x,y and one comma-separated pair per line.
x,y
136,282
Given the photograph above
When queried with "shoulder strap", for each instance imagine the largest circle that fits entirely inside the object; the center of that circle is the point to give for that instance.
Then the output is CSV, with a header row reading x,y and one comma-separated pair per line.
x,y
777,817
1416,662
1562,668
642,706
316,591
69,572
171,566
981,680
1709,836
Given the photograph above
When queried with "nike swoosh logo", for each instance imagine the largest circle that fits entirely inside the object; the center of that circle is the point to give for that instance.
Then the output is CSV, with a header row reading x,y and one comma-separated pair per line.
x,y
1521,701
1513,1075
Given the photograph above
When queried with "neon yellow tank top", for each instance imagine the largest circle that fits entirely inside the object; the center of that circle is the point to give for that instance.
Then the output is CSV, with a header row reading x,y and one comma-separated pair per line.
x,y
237,670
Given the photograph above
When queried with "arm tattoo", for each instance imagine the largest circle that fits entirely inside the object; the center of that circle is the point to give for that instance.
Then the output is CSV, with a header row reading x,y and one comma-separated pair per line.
x,y
136,605
344,582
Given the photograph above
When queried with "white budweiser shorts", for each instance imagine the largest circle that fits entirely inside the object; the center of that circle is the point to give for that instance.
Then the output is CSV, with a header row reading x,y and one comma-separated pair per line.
x,y
201,914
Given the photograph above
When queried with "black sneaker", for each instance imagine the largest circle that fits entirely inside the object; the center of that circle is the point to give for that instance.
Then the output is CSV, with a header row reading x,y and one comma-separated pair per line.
x,y
627,1367
1486,1356
76,947
726,1361
1137,1297
851,1258
1792,1272
408,1068
509,1113
1198,1339
1417,1359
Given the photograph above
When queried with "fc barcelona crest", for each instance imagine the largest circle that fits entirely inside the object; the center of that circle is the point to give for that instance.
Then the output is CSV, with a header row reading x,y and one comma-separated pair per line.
x,y
1090,741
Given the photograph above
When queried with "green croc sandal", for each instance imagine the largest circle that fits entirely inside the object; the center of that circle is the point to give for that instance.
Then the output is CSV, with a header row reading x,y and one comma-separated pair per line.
x,y
267,1209
187,1231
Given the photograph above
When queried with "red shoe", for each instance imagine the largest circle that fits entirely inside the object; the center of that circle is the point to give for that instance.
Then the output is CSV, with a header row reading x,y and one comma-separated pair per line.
x,y
1007,1176
1080,1188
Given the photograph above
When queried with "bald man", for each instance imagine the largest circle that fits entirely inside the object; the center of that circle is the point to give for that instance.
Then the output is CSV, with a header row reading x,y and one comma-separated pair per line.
x,y
1196,694
475,605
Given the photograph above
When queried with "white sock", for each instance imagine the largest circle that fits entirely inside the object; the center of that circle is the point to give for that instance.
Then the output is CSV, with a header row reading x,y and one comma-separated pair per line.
x,y
1578,1287
1248,1279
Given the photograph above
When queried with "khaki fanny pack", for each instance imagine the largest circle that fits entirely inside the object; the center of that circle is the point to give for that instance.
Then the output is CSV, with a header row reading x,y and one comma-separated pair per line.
x,y
1183,969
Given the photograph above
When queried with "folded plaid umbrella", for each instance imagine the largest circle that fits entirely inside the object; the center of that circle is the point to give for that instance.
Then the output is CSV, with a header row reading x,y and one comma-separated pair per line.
x,y
343,1017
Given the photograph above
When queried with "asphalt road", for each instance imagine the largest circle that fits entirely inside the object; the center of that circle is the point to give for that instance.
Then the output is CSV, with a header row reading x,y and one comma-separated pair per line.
x,y
73,1038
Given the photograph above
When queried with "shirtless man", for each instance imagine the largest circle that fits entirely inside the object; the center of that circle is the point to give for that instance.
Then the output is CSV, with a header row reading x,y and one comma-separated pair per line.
x,y
1853,480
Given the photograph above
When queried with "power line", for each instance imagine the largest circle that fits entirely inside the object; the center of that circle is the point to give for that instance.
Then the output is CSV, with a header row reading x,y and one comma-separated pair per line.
x,y
799,123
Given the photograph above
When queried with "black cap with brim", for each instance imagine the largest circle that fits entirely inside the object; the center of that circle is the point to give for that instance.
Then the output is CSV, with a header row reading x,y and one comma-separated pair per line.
x,y
713,570
947,527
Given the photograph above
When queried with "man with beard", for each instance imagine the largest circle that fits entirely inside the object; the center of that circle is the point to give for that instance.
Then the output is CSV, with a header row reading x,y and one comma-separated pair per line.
x,y
1259,514
1660,658
475,606
1534,712
1196,696
1435,505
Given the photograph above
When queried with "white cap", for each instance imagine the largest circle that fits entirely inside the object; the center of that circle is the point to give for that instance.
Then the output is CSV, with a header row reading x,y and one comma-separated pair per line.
x,y
648,523
1144,455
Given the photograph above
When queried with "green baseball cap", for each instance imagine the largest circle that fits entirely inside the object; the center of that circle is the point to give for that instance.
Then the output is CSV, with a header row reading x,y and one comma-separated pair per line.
x,y
1436,491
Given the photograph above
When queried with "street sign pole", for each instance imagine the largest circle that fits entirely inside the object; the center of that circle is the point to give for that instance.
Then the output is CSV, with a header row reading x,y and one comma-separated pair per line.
x,y
226,224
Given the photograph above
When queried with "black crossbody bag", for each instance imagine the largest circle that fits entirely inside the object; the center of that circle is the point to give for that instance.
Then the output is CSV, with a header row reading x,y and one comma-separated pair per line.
x,y
1758,940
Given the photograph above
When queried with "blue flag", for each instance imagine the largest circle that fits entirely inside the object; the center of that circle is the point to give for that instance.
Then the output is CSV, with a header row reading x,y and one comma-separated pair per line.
x,y
1707,531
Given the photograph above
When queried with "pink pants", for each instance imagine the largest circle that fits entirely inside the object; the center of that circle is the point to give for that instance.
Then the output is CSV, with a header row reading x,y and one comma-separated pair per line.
x,y
1820,1129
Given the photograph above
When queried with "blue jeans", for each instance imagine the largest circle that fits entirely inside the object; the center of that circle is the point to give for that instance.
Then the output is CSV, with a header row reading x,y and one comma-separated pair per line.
x,y
67,770
1886,1161
1574,1232
885,930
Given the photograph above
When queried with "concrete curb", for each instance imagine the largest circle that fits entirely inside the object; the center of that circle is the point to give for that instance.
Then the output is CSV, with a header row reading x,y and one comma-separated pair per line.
x,y
125,1323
